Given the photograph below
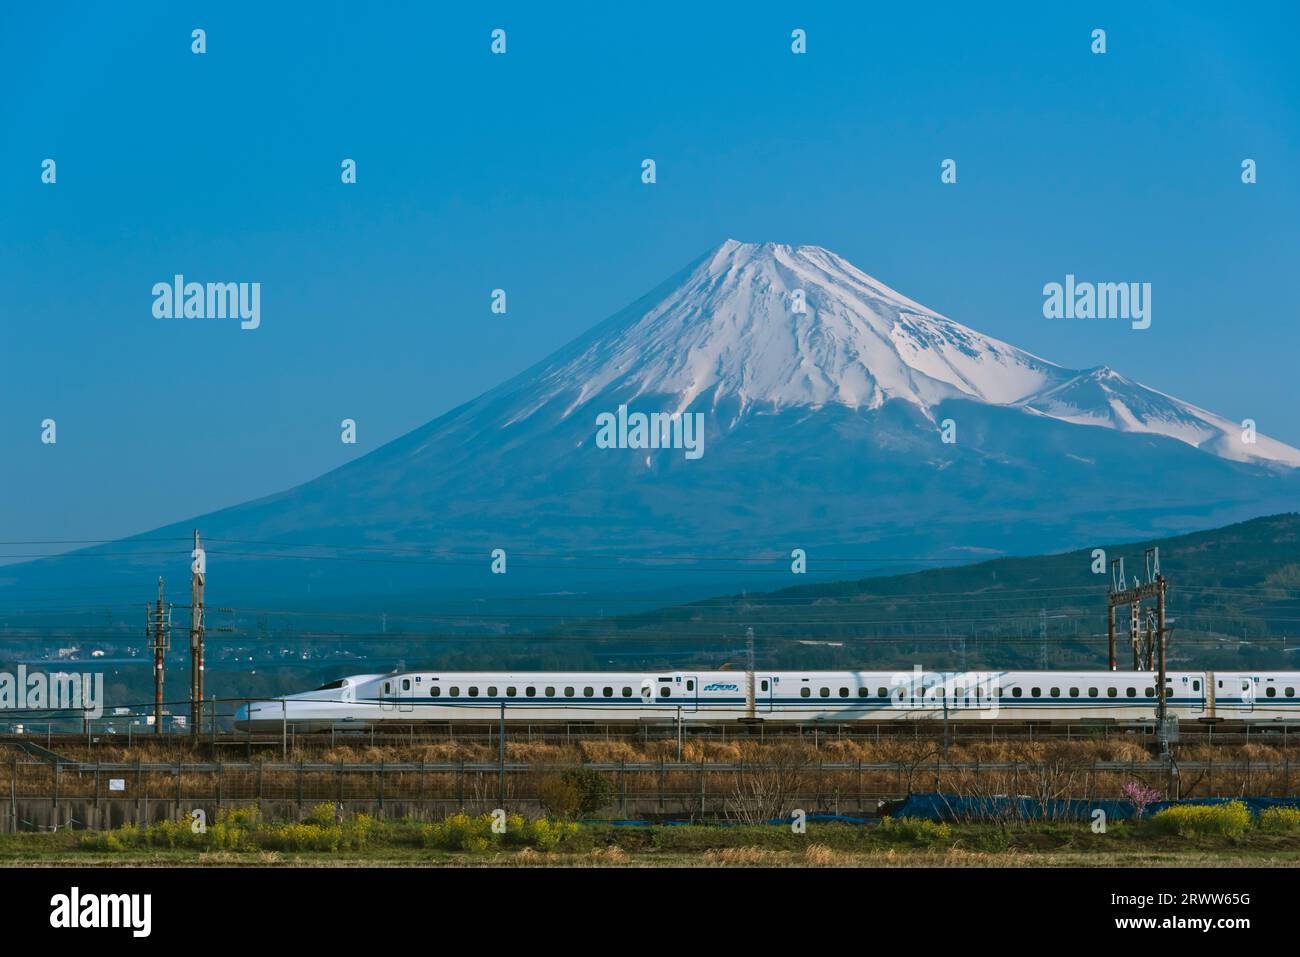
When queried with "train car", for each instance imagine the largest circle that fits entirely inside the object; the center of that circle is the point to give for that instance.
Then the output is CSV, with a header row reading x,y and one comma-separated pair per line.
x,y
778,696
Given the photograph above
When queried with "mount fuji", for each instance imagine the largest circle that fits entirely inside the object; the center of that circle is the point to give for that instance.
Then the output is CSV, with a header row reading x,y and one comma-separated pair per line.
x,y
824,397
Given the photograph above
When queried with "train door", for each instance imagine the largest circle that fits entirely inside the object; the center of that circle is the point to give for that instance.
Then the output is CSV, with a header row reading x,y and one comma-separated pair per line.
x,y
690,693
1195,692
387,697
1247,686
763,692
406,693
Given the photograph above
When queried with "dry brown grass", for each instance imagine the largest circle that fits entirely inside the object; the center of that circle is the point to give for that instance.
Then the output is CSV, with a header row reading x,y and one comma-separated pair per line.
x,y
819,855
747,856
612,855
913,759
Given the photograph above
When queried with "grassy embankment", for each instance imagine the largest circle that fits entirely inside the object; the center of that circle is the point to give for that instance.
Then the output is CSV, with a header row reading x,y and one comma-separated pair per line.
x,y
1206,836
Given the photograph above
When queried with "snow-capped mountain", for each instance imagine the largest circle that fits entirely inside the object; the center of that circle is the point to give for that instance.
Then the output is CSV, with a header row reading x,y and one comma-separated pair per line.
x,y
820,394
1102,397
774,327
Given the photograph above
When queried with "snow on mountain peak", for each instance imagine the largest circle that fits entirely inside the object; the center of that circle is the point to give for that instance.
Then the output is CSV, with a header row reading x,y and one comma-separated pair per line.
x,y
771,326
776,326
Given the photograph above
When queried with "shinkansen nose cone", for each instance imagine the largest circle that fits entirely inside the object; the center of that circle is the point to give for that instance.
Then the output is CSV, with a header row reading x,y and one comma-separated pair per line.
x,y
259,716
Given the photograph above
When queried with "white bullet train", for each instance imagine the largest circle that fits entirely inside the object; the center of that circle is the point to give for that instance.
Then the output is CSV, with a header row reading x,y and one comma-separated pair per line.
x,y
778,696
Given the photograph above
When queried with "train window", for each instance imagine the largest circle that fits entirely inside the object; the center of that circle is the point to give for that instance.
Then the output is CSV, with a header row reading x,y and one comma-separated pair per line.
x,y
1271,692
1056,692
511,691
1151,692
824,692
1036,692
388,687
882,692
455,692
435,691
844,692
1132,692
863,692
1074,692
568,692
1112,692
550,691
1196,684
530,691
492,691
764,684
406,684
690,685
473,691
1092,692
627,692
665,692
959,692
588,691
805,692
1290,692
1015,692
609,692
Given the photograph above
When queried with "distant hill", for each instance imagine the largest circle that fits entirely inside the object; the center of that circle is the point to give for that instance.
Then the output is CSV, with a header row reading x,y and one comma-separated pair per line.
x,y
1233,601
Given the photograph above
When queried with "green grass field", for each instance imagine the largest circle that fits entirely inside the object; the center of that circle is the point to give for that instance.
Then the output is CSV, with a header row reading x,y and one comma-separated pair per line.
x,y
239,838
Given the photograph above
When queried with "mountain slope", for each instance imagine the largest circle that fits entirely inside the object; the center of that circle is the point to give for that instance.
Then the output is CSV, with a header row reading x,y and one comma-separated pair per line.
x,y
821,431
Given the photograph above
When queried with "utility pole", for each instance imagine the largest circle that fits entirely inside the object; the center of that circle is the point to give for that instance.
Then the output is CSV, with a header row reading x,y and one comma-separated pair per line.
x,y
1135,634
1150,645
1160,633
1110,632
159,631
198,574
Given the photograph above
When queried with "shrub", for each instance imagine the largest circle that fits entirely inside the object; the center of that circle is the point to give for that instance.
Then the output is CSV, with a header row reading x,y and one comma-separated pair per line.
x,y
1192,820
915,830
545,834
575,792
1279,819
1141,795
247,816
239,829
559,796
594,789
324,814
460,832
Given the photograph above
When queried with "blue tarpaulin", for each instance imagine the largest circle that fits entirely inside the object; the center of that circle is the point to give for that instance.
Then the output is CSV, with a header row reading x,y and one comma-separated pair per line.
x,y
952,807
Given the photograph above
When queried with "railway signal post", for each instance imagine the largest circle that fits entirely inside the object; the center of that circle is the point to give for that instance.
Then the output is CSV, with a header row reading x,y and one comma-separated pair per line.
x,y
159,631
1155,645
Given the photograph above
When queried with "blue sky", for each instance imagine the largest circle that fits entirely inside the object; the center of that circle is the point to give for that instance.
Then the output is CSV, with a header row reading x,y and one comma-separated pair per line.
x,y
523,172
